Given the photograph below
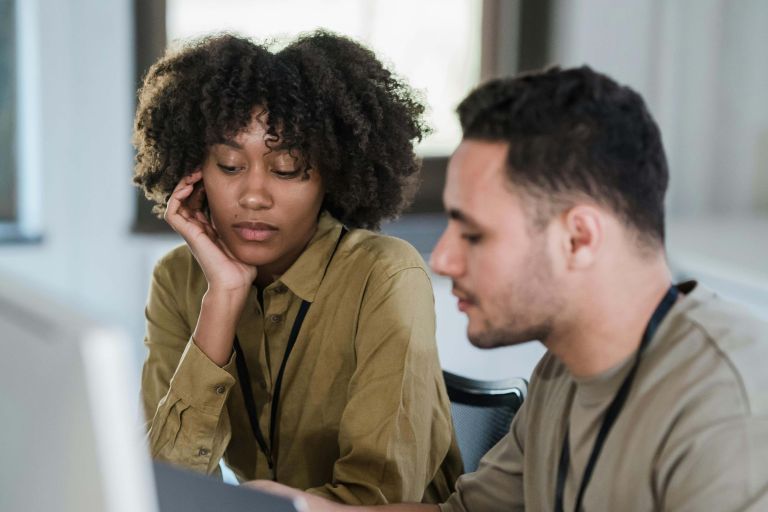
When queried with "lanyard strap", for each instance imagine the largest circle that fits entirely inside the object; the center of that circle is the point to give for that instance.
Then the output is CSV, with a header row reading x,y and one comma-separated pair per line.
x,y
613,411
245,379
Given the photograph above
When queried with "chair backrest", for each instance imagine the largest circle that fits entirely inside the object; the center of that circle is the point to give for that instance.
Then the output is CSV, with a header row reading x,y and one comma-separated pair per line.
x,y
482,412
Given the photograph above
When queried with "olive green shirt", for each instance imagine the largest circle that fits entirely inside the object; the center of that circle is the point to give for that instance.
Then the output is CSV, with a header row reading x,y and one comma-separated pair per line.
x,y
363,414
692,436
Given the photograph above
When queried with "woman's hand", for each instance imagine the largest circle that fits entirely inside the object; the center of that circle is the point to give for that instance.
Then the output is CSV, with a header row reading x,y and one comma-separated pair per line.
x,y
229,279
223,271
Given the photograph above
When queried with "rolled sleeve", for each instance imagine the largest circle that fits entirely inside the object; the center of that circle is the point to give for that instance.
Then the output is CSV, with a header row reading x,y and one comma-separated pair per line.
x,y
184,393
201,383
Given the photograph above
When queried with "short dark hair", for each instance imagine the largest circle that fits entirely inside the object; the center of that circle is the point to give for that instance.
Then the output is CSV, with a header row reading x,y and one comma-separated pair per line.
x,y
576,132
328,97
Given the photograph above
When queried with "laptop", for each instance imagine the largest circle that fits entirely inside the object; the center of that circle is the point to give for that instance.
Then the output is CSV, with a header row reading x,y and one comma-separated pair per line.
x,y
70,435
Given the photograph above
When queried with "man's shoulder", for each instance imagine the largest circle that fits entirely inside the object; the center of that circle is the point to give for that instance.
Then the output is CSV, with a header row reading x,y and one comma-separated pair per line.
x,y
739,339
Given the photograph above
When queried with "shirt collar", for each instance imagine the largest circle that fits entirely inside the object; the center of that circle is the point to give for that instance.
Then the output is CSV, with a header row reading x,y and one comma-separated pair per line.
x,y
303,278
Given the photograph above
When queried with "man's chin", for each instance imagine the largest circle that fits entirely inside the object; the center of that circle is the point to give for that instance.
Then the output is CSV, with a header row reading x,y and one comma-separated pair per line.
x,y
484,340
494,339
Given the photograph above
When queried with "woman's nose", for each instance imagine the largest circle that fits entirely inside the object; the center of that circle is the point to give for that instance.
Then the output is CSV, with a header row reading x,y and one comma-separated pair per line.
x,y
255,192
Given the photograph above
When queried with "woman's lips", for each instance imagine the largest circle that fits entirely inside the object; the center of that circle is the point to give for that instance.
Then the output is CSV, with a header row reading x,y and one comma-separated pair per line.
x,y
255,231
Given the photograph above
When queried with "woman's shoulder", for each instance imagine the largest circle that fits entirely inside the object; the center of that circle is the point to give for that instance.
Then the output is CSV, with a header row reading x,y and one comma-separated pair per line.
x,y
177,265
179,256
383,252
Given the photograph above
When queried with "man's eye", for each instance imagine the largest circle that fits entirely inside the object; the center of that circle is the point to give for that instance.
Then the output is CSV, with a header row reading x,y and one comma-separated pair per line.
x,y
227,169
471,238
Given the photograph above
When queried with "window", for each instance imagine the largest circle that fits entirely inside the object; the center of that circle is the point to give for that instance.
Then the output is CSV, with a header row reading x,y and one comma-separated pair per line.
x,y
442,47
434,44
8,186
19,183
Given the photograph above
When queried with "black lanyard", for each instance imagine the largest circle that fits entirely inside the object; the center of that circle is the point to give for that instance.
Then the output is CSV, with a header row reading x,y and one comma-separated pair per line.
x,y
245,378
613,410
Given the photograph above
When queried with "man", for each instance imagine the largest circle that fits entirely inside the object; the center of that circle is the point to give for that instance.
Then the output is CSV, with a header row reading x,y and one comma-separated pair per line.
x,y
651,396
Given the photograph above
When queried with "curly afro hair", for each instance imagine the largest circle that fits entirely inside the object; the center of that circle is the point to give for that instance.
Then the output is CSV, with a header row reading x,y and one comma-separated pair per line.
x,y
329,98
190,100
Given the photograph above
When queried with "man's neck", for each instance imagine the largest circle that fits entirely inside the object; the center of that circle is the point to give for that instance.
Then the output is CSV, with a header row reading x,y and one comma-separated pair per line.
x,y
609,327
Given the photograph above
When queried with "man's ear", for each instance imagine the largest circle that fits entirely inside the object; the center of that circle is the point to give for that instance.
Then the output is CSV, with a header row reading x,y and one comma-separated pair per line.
x,y
582,236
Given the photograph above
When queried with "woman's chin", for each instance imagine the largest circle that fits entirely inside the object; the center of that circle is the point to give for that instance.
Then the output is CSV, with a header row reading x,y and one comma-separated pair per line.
x,y
256,257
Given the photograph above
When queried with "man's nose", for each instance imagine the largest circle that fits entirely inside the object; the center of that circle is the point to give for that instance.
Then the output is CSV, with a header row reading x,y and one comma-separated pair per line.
x,y
446,257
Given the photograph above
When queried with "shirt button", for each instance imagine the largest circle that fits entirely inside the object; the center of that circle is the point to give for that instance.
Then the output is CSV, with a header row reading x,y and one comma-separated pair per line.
x,y
220,390
275,318
203,452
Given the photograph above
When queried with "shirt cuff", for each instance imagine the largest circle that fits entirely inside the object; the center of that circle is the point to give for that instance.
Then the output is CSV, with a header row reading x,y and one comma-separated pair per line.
x,y
201,383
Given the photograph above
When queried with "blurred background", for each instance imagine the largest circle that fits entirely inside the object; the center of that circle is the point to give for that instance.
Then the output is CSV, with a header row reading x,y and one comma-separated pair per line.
x,y
72,224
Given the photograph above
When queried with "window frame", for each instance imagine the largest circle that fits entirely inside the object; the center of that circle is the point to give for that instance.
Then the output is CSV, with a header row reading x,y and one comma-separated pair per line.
x,y
25,226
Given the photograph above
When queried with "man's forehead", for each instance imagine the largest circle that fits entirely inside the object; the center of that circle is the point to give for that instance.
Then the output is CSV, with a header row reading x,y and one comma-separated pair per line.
x,y
476,168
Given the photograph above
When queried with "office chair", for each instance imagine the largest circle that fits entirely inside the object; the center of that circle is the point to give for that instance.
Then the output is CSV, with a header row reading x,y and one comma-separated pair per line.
x,y
482,412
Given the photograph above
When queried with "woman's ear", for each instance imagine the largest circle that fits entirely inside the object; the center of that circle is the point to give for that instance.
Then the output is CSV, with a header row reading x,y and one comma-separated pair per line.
x,y
583,235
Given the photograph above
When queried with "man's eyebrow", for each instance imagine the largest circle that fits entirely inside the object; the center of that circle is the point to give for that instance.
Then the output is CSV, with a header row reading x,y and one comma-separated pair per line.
x,y
458,215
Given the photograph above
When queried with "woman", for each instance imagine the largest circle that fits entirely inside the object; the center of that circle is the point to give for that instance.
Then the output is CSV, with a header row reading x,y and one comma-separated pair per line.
x,y
284,336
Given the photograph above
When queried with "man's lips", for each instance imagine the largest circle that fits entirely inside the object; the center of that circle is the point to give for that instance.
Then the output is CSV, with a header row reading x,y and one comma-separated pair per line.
x,y
465,302
255,231
464,305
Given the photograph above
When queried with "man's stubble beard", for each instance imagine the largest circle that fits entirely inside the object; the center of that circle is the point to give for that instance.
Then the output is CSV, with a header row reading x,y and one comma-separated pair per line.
x,y
526,310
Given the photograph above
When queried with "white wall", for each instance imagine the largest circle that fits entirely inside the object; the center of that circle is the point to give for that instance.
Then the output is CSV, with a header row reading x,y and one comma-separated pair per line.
x,y
80,61
701,67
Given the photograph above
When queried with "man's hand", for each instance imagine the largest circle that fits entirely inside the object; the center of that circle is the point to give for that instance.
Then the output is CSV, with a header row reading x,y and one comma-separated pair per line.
x,y
311,503
317,504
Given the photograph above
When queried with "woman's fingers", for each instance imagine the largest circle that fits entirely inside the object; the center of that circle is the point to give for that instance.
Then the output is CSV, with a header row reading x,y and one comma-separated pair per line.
x,y
206,225
192,178
196,199
185,199
199,215
177,196
184,213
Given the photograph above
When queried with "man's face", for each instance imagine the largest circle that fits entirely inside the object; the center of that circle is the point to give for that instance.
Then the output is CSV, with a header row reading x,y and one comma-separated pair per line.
x,y
499,263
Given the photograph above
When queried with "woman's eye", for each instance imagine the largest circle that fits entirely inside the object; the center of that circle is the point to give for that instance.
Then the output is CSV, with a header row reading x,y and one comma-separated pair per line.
x,y
227,169
287,175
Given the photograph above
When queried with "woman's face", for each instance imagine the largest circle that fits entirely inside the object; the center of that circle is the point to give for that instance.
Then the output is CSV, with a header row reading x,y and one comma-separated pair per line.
x,y
263,203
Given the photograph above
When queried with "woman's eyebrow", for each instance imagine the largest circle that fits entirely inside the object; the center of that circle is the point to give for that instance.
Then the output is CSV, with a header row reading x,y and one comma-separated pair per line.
x,y
231,143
